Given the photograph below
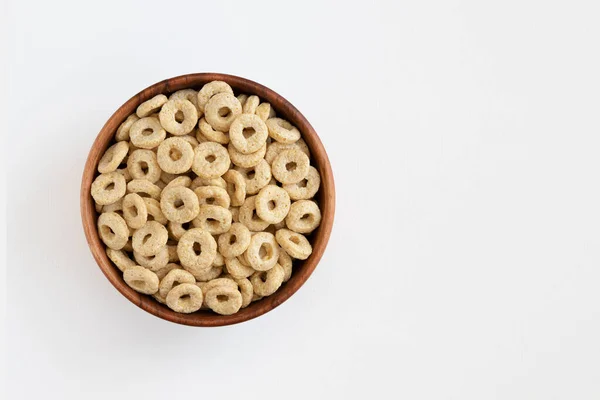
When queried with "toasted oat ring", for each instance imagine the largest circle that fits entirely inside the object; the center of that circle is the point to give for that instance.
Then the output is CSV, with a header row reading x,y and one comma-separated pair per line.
x,y
166,177
172,249
236,187
219,260
178,117
275,148
176,230
213,219
235,214
142,164
264,111
214,195
151,106
147,133
175,155
211,134
248,216
272,204
223,282
246,290
185,298
161,273
123,130
235,241
120,259
263,251
192,262
150,239
125,173
144,187
187,94
250,105
286,263
237,269
306,188
197,182
223,300
211,89
191,139
154,211
304,216
265,283
155,262
183,180
173,278
134,210
282,131
295,244
246,160
108,188
179,204
213,273
221,110
113,230
211,160
290,166
248,133
113,157
117,207
141,280
256,177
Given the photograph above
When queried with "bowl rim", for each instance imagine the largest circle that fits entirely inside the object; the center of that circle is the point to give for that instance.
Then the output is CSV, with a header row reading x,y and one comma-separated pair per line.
x,y
326,195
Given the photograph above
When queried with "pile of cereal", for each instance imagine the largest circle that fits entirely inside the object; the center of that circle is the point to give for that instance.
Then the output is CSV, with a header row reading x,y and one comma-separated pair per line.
x,y
205,198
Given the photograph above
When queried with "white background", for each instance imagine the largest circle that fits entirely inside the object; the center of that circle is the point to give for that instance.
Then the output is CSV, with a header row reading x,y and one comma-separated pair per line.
x,y
464,139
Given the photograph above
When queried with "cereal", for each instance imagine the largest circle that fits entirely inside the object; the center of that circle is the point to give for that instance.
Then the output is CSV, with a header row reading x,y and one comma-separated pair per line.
x,y
213,219
235,213
235,241
211,89
155,262
265,283
248,216
272,204
147,133
246,290
263,251
125,173
197,182
275,148
213,195
113,230
123,130
295,244
290,166
141,280
264,111
161,273
117,207
113,157
282,131
183,180
257,177
185,298
175,155
176,230
250,105
242,99
246,160
304,216
248,133
173,278
237,269
211,160
179,204
224,300
306,188
221,110
197,250
108,188
209,275
142,164
150,239
154,211
178,117
211,134
151,106
172,249
187,94
144,188
219,282
236,187
120,259
219,260
134,211
191,139
166,177
286,263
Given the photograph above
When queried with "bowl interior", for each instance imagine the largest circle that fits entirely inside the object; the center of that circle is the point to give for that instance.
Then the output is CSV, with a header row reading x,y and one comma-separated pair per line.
x,y
301,269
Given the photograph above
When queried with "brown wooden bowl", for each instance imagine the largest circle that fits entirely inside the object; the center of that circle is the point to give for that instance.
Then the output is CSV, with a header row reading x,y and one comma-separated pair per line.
x,y
318,239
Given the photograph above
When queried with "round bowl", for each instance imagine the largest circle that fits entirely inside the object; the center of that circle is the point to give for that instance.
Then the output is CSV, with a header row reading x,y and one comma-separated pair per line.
x,y
318,239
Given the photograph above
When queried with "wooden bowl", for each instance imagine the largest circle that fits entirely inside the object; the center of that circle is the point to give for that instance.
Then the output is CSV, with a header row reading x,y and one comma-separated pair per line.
x,y
318,239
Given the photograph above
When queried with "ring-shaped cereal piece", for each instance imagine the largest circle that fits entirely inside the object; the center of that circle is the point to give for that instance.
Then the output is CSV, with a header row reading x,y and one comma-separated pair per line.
x,y
108,188
213,219
282,131
265,111
175,155
144,187
219,260
213,195
248,216
246,289
236,269
187,94
290,166
286,263
307,188
235,214
155,262
161,273
224,300
141,280
123,130
304,216
211,89
211,160
213,273
265,283
178,117
235,241
113,157
173,278
183,180
179,204
142,164
272,204
191,139
236,187
223,282
242,98
150,239
246,160
211,134
113,230
154,211
185,298
166,177
134,211
250,105
221,110
147,133
125,173
151,106
295,244
275,148
172,249
176,230
248,133
256,177
120,259
117,207
193,258
197,182
263,251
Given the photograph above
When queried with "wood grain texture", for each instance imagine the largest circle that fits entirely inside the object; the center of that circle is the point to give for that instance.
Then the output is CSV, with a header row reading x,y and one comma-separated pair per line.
x,y
318,239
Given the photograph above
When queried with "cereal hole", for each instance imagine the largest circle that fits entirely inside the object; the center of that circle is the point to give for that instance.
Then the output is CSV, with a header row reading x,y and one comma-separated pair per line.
x,y
146,238
138,283
175,154
144,167
303,183
295,239
306,217
185,297
197,248
255,217
263,276
179,116
178,204
186,225
247,132
110,186
291,166
232,239
251,174
147,132
222,297
264,251
224,112
107,231
133,211
212,223
210,200
271,205
210,158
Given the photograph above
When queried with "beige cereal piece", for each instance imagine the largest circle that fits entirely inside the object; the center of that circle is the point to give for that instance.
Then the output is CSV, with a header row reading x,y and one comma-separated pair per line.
x,y
235,214
108,188
141,280
191,139
159,298
213,195
200,138
211,274
290,166
197,182
120,259
282,131
211,160
113,230
256,297
219,260
243,260
246,160
307,188
144,188
150,239
250,105
237,269
185,298
286,263
175,155
162,272
155,262
235,241
192,258
134,211
166,177
173,278
275,148
151,106
256,177
211,134
213,219
183,180
142,164
219,282
125,173
263,251
295,244
113,157
265,283
265,111
272,204
221,110
223,300
248,216
178,117
117,207
211,89
236,187
176,230
187,94
123,130
161,185
172,248
304,216
147,133
248,133
154,211
179,204
246,289
242,98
